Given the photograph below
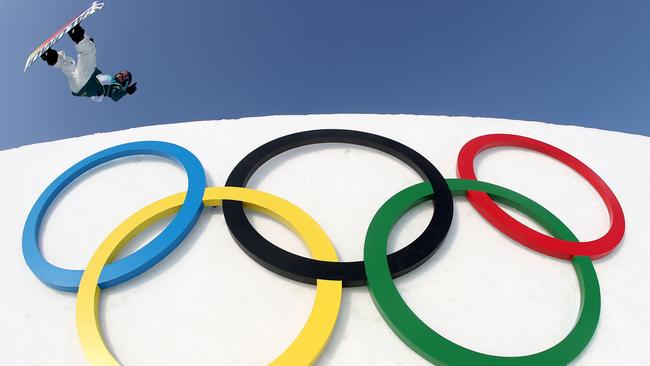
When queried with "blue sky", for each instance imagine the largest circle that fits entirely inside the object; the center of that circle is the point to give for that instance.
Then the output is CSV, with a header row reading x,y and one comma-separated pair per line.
x,y
567,62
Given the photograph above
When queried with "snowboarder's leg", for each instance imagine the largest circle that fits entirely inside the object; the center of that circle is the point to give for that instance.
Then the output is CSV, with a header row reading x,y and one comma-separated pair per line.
x,y
86,54
69,67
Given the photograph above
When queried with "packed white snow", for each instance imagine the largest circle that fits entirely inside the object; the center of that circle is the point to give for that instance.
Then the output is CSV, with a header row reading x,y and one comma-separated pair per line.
x,y
209,303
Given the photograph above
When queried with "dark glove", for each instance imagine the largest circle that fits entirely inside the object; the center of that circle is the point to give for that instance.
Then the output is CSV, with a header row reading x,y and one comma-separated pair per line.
x,y
131,88
50,56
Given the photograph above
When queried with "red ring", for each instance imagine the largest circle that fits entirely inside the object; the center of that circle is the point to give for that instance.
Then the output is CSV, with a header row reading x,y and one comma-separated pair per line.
x,y
523,234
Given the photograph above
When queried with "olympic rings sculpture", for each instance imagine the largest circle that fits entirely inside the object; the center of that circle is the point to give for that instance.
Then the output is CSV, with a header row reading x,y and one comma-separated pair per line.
x,y
377,270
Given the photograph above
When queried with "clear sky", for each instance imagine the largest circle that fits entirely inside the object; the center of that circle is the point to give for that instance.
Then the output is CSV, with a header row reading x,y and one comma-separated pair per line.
x,y
582,62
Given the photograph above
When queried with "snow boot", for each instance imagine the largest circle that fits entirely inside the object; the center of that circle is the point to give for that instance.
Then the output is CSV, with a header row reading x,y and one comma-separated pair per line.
x,y
76,33
50,56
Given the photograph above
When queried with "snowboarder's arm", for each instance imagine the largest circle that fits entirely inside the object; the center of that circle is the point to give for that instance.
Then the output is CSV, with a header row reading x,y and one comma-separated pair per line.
x,y
113,89
105,79
116,92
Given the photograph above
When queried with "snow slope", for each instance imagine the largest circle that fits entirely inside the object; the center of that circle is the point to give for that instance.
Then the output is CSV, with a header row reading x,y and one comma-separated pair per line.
x,y
209,303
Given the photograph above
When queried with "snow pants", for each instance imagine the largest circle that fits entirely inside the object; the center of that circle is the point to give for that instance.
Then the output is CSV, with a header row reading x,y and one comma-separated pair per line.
x,y
79,72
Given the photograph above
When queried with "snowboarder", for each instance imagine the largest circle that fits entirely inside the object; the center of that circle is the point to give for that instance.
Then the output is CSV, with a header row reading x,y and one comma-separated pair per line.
x,y
84,78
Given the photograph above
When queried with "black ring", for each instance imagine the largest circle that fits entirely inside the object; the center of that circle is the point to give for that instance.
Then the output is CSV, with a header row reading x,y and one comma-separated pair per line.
x,y
308,270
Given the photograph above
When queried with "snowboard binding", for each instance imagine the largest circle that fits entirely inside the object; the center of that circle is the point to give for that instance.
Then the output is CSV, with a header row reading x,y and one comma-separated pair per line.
x,y
50,56
76,33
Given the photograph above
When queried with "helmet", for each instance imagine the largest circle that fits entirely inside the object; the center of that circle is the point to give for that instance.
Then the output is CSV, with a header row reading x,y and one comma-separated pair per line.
x,y
123,77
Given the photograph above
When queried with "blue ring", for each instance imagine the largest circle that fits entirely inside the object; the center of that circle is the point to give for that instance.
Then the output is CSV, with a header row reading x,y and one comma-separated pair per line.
x,y
145,257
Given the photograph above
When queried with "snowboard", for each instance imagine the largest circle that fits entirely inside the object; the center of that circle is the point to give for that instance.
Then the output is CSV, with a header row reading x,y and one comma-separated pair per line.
x,y
95,6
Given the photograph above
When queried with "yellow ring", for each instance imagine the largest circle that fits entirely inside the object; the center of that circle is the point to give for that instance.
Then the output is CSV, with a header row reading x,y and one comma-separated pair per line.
x,y
313,337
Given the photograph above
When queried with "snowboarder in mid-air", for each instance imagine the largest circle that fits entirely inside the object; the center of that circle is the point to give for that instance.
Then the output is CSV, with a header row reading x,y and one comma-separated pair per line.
x,y
85,79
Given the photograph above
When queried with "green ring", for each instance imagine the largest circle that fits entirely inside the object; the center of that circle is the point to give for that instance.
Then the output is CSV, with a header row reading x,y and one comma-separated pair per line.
x,y
431,345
